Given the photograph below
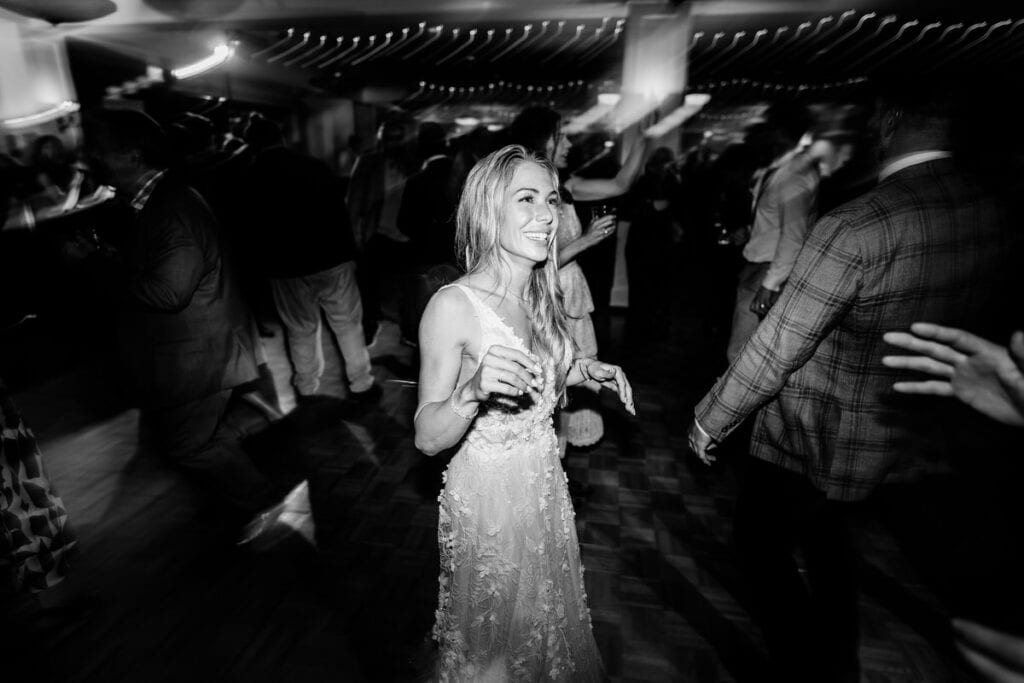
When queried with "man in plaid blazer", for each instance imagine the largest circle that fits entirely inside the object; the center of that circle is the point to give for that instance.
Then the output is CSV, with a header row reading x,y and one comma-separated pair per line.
x,y
926,244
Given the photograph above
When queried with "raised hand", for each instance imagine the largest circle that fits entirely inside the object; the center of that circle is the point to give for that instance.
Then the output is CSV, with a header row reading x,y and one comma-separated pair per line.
x,y
506,372
612,376
601,228
986,376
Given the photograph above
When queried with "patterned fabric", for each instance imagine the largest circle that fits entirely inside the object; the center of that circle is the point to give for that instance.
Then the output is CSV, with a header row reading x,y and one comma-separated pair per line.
x,y
925,245
511,600
149,181
579,425
35,540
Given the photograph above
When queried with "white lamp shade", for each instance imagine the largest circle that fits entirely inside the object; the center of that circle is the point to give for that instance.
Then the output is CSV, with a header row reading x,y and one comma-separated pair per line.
x,y
34,76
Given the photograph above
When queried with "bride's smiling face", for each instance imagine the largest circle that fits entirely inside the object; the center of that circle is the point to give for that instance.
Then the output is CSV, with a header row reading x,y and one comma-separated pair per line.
x,y
530,214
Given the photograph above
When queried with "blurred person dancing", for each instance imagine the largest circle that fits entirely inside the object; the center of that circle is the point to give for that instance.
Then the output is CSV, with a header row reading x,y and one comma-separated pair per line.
x,y
186,338
785,208
927,242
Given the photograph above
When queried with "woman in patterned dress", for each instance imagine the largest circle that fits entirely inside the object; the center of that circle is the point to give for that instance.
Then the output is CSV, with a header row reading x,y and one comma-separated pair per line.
x,y
496,357
35,539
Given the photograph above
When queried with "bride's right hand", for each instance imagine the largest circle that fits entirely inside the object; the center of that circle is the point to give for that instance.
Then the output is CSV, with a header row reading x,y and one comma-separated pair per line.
x,y
506,372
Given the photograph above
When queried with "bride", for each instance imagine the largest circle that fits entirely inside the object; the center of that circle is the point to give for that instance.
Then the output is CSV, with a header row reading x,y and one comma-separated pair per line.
x,y
497,356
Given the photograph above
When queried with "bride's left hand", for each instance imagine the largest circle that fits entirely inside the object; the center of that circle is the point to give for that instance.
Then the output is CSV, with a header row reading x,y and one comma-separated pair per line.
x,y
612,376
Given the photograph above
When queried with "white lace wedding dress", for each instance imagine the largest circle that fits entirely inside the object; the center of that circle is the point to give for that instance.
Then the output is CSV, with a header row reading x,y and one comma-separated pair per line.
x,y
511,600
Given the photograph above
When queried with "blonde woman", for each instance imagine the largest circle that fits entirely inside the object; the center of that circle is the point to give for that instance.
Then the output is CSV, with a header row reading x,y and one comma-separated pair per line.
x,y
496,358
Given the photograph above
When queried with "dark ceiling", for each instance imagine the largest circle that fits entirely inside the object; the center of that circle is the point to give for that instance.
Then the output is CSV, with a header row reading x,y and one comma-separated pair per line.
x,y
520,51
560,60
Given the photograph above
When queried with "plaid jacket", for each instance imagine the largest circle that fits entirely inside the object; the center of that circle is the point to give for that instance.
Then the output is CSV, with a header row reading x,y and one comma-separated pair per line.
x,y
925,244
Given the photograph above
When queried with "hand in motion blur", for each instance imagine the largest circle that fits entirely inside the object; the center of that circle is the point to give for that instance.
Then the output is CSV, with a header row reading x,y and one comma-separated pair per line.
x,y
997,656
986,376
601,229
701,443
763,302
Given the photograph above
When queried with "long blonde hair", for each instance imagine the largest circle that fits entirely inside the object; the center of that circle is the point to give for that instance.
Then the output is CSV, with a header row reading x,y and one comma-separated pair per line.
x,y
477,239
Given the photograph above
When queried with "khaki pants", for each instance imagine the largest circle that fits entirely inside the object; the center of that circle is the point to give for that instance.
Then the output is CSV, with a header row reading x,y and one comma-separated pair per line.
x,y
299,301
743,321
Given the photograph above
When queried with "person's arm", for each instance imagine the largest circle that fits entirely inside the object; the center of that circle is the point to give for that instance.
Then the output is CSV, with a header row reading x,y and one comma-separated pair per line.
x,y
447,408
824,284
607,375
986,376
172,269
595,189
797,207
797,211
599,230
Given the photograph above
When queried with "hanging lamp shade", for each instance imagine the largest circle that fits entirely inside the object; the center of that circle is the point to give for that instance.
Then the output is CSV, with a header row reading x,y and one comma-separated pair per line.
x,y
61,11
35,81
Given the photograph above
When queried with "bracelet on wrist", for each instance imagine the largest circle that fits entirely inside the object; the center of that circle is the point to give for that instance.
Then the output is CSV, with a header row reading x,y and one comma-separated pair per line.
x,y
458,411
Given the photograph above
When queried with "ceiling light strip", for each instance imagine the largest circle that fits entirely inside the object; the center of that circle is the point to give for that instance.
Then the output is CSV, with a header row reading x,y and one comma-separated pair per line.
x,y
292,50
221,54
64,108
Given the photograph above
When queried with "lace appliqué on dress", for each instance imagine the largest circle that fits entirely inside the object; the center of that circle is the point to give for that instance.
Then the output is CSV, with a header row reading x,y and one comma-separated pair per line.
x,y
511,599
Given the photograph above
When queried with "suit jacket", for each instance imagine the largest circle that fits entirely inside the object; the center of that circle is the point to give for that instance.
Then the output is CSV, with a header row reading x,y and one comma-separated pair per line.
x,y
184,333
927,244
299,220
427,212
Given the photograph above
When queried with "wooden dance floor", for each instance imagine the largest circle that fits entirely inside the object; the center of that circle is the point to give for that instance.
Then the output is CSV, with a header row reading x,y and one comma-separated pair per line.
x,y
171,597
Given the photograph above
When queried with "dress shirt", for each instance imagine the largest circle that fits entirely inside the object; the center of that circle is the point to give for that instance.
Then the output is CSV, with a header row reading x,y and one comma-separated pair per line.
x,y
913,159
785,211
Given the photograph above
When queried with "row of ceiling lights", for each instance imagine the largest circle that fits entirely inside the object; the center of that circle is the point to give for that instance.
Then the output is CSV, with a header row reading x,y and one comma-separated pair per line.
x,y
477,43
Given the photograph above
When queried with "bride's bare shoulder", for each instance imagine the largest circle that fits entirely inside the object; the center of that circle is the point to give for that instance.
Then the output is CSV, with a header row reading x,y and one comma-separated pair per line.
x,y
450,306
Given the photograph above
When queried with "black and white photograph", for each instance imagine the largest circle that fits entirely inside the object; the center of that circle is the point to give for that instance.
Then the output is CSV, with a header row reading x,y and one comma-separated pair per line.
x,y
508,341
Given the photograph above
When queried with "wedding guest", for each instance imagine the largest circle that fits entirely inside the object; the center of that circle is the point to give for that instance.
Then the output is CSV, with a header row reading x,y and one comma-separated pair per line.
x,y
186,339
785,208
302,224
374,197
928,241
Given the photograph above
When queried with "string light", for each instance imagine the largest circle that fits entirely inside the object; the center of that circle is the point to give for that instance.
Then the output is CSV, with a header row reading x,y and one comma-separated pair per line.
x,y
765,85
304,55
292,50
64,108
221,54
498,90
345,53
845,42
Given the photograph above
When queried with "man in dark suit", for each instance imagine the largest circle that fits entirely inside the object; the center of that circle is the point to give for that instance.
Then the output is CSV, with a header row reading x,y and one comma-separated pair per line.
x,y
186,338
427,211
427,217
927,243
